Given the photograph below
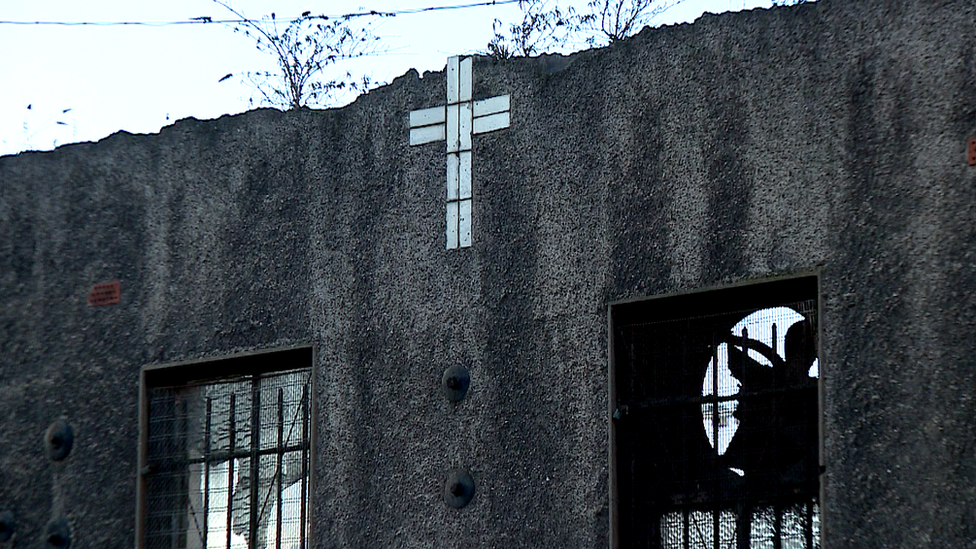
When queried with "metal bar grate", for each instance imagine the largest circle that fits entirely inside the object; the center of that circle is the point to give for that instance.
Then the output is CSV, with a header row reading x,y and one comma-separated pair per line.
x,y
229,462
719,443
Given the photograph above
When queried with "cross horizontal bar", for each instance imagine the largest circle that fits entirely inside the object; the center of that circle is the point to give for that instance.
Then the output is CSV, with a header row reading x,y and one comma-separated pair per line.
x,y
492,105
428,134
427,117
492,122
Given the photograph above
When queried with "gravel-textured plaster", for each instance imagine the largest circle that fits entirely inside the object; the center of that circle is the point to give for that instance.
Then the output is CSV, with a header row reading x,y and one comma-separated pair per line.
x,y
826,138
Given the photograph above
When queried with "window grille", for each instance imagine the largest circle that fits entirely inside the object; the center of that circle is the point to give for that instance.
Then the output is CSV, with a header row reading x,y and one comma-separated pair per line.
x,y
227,459
716,427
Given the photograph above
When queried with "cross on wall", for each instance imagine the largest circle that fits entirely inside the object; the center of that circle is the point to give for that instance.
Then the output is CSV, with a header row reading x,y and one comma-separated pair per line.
x,y
455,123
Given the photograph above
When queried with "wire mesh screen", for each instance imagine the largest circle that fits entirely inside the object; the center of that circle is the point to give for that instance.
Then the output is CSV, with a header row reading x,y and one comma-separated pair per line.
x,y
229,463
717,429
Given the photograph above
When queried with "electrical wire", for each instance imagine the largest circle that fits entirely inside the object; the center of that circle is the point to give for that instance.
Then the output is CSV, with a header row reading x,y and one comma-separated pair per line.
x,y
203,20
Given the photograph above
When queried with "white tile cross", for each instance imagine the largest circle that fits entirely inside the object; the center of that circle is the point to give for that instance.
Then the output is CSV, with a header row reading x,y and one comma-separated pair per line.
x,y
456,122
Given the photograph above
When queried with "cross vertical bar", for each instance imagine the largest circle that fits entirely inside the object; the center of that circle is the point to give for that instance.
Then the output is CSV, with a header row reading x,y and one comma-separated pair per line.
x,y
453,78
453,176
464,153
458,121
464,175
452,224
453,128
464,223
464,79
464,124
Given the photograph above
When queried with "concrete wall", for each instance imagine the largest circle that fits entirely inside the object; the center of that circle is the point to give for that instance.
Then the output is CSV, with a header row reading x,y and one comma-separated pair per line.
x,y
827,138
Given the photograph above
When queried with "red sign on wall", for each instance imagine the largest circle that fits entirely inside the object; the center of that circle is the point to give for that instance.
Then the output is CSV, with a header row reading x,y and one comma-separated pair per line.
x,y
106,293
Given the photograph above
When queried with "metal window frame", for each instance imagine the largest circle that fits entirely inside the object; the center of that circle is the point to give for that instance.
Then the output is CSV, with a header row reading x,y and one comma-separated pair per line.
x,y
215,368
814,276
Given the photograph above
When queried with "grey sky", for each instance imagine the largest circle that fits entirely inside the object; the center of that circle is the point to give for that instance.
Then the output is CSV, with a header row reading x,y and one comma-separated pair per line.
x,y
139,79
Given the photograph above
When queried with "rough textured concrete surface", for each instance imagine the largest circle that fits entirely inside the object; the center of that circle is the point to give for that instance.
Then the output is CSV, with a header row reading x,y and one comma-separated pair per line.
x,y
827,139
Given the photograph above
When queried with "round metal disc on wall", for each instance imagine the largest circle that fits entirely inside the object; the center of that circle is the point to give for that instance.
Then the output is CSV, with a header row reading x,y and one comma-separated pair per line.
x,y
59,439
458,489
57,534
455,383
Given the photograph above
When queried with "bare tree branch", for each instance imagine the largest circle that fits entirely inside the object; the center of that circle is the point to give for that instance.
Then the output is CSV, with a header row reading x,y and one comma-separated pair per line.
x,y
547,27
544,27
619,19
306,51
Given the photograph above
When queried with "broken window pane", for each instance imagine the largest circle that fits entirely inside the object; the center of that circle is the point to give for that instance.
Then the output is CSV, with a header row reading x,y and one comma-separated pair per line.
x,y
229,462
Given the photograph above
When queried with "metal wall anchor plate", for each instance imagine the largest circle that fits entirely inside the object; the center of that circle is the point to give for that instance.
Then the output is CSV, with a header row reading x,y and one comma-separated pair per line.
x,y
458,489
6,525
59,439
57,534
455,383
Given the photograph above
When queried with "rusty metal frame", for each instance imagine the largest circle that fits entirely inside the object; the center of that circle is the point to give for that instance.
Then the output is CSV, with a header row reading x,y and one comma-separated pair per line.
x,y
614,539
185,372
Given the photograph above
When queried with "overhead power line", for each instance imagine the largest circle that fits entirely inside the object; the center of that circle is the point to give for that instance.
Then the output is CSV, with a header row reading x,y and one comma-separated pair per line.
x,y
203,20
